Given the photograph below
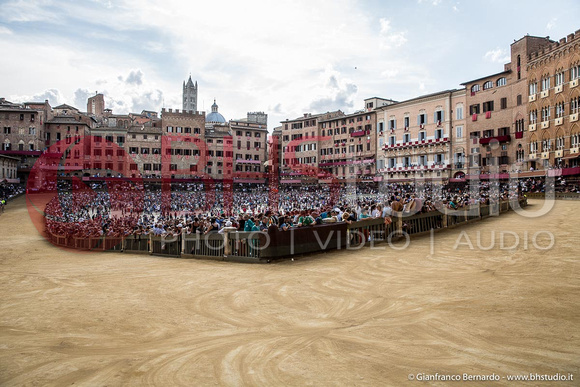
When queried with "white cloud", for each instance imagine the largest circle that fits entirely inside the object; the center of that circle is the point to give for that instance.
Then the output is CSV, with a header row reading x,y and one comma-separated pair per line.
x,y
129,94
552,23
71,80
156,47
105,3
54,96
5,31
28,11
80,98
135,77
498,55
390,39
390,73
334,92
259,55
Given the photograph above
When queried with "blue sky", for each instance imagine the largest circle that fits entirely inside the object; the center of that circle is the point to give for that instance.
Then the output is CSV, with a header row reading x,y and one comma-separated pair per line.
x,y
284,57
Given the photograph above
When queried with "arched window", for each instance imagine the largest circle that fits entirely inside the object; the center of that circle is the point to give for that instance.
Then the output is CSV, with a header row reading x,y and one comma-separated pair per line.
x,y
546,143
533,144
574,104
546,113
533,87
487,85
560,140
501,82
575,71
575,140
560,109
474,88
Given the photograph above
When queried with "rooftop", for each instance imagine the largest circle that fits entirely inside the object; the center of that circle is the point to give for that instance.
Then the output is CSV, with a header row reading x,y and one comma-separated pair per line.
x,y
65,120
487,76
65,106
418,98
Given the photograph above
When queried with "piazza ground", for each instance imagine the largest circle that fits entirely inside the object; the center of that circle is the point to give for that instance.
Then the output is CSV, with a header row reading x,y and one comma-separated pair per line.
x,y
369,317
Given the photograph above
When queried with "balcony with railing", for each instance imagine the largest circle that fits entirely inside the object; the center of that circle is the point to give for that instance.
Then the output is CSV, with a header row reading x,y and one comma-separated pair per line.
x,y
500,139
413,167
416,143
242,161
360,133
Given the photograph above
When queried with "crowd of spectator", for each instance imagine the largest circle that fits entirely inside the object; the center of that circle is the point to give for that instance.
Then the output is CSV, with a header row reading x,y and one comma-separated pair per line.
x,y
123,209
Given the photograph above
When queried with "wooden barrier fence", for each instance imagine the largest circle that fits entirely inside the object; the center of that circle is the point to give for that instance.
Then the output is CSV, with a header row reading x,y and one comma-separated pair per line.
x,y
274,244
557,195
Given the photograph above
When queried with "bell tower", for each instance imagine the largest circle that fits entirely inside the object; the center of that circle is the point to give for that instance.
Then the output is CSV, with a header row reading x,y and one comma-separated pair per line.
x,y
190,95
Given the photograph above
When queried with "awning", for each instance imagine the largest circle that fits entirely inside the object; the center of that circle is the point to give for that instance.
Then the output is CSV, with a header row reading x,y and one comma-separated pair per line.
x,y
571,171
571,156
530,174
486,176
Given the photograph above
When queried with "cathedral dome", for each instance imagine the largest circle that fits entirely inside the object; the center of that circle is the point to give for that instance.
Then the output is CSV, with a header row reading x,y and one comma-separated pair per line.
x,y
215,116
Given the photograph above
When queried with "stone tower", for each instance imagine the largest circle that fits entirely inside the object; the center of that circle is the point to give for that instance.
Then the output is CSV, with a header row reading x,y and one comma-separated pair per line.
x,y
96,105
190,95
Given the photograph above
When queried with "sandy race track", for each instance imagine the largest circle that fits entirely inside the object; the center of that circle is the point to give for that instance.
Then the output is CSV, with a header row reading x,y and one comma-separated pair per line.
x,y
370,317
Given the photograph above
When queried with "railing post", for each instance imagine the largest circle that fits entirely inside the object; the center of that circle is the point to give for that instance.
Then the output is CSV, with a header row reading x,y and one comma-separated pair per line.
x,y
150,244
182,240
226,234
227,247
400,223
444,221
494,208
347,238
